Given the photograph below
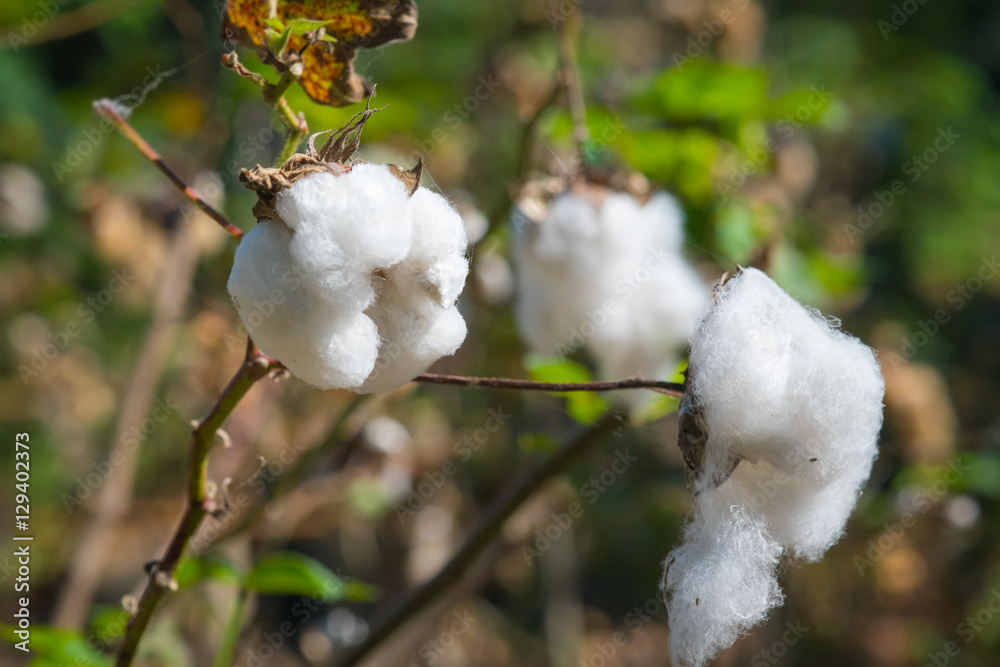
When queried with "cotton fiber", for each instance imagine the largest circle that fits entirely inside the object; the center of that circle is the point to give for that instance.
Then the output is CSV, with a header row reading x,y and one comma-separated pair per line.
x,y
353,284
787,408
606,275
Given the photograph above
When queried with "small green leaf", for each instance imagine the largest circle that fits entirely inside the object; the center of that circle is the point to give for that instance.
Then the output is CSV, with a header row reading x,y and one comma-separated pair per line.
x,y
58,647
585,407
300,26
537,442
278,44
193,570
549,369
276,23
108,622
289,573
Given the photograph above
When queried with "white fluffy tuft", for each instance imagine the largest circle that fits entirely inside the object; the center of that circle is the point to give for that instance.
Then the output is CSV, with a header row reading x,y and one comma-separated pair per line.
x,y
610,280
796,405
355,286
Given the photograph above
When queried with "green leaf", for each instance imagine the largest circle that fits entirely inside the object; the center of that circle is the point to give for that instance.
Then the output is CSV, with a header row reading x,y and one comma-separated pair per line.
x,y
290,573
683,158
583,406
276,23
279,42
704,91
108,622
537,442
193,570
549,369
58,647
300,26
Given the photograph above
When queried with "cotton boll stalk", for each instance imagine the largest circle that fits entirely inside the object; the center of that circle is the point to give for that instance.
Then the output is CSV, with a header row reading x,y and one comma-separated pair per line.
x,y
780,425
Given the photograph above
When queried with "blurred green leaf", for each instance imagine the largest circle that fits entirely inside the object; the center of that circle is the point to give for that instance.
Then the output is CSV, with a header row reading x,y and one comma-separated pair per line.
x,y
290,573
193,570
54,646
537,442
704,90
583,406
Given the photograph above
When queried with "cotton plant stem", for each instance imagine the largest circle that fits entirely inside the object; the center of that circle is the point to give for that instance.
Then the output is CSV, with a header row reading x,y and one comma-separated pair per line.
x,y
106,109
255,366
231,634
572,81
489,524
659,386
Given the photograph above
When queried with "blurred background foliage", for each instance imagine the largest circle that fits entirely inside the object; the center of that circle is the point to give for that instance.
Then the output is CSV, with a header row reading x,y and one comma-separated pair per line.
x,y
850,148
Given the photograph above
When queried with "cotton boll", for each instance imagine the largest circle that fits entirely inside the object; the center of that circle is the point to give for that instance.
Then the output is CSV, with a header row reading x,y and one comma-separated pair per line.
x,y
416,330
331,353
346,226
720,582
437,253
790,408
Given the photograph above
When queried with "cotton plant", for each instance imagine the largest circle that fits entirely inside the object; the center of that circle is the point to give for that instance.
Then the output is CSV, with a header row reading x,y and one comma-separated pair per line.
x,y
779,426
603,271
351,276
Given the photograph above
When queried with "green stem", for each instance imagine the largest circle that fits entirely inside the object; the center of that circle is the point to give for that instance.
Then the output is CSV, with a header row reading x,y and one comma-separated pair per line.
x,y
161,582
231,635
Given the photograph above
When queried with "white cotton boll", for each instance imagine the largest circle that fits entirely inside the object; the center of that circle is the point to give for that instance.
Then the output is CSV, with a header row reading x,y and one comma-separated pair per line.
x,y
355,271
720,582
610,280
437,253
416,332
795,405
319,344
331,352
347,225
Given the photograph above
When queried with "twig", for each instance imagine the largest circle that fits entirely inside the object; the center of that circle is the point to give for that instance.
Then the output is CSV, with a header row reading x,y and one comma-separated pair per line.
x,y
255,366
106,109
572,82
274,96
660,386
481,536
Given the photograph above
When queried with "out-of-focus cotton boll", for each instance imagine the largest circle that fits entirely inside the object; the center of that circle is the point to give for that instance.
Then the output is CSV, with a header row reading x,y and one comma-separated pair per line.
x,y
609,278
791,408
363,273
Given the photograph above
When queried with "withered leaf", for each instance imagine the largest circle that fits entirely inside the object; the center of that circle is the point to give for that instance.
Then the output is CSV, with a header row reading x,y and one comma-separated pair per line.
x,y
328,75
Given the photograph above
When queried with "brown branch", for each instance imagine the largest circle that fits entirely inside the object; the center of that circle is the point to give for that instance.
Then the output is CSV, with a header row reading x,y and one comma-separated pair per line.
x,y
255,366
572,82
510,498
660,386
106,109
